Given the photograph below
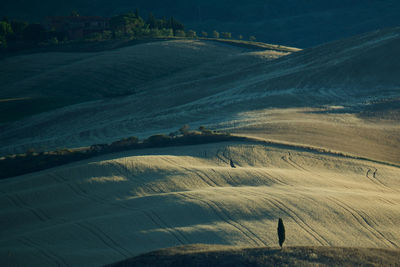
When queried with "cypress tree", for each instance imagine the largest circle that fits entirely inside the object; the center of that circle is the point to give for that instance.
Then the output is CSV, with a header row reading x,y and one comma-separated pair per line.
x,y
281,232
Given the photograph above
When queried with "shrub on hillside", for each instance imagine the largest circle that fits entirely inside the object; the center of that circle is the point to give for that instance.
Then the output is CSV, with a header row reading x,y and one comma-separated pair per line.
x,y
180,33
130,142
215,34
184,129
98,148
226,35
252,38
157,140
5,31
191,34
167,32
205,131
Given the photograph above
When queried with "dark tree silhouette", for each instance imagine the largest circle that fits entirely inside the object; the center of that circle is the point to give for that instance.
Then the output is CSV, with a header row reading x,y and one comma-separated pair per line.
x,y
152,21
281,232
232,164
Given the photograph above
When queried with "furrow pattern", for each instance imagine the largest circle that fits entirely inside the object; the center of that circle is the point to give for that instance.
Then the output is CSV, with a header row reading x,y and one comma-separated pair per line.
x,y
358,216
317,236
367,220
208,181
263,174
103,201
18,202
182,236
124,172
48,254
235,181
113,242
104,238
113,203
290,213
241,225
79,191
289,158
223,217
220,158
375,180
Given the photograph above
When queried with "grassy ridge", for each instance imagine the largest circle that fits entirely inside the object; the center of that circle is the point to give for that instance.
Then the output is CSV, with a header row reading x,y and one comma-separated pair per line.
x,y
254,45
31,161
215,255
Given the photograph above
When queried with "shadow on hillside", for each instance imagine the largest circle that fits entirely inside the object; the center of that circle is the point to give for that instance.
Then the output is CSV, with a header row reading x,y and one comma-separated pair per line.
x,y
384,109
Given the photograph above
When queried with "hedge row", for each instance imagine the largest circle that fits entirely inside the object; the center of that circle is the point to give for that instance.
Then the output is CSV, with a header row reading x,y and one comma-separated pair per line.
x,y
14,165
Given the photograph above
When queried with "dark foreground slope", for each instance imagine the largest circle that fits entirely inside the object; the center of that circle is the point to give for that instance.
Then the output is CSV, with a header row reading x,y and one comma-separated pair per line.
x,y
206,255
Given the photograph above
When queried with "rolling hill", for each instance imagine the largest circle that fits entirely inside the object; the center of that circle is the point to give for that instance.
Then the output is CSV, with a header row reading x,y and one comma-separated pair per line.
x,y
343,96
74,77
117,206
323,151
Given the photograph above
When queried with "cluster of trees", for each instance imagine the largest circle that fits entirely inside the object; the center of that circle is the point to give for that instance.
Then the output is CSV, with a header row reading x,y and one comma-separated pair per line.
x,y
132,25
224,35
16,32
31,161
17,35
